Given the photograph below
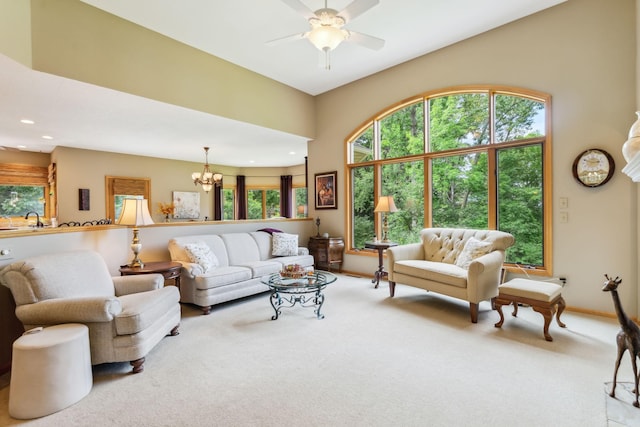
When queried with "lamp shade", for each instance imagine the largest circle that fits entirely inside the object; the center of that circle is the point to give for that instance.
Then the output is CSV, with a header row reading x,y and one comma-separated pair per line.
x,y
327,37
135,212
386,204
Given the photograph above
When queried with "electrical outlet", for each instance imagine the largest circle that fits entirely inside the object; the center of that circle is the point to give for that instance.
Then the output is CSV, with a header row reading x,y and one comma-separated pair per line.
x,y
564,203
564,217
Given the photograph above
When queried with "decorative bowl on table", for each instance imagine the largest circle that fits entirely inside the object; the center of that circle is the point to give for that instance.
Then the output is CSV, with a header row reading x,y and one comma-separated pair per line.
x,y
293,271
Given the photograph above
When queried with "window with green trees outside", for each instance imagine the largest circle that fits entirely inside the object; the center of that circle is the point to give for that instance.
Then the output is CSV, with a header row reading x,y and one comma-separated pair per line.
x,y
263,203
466,157
17,200
228,200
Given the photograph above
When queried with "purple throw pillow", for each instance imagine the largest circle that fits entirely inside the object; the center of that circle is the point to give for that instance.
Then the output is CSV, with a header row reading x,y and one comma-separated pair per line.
x,y
270,230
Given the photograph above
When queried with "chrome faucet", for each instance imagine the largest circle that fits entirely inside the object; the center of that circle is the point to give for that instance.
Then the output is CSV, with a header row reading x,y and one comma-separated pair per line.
x,y
38,222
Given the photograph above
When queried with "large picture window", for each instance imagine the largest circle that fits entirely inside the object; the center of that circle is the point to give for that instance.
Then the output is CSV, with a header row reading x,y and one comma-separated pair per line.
x,y
472,157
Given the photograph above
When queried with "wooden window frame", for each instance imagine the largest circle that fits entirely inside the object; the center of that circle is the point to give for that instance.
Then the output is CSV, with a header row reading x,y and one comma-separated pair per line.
x,y
29,175
125,185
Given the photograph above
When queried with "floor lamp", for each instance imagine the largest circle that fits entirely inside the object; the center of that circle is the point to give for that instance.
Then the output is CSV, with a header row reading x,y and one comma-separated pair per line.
x,y
135,212
385,206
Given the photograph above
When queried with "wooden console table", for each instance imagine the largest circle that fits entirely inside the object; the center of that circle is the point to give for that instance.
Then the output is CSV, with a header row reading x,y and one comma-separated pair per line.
x,y
326,252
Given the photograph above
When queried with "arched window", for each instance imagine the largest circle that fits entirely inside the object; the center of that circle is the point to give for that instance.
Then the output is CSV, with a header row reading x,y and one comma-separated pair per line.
x,y
473,157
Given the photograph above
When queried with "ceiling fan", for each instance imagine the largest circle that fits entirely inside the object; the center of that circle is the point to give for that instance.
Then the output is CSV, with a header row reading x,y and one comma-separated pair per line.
x,y
326,27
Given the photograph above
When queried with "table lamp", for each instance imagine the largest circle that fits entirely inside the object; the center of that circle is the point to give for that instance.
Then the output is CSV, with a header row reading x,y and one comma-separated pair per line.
x,y
135,212
385,205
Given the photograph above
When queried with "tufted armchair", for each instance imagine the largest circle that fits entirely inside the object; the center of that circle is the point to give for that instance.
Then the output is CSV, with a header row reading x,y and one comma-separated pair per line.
x,y
461,263
126,315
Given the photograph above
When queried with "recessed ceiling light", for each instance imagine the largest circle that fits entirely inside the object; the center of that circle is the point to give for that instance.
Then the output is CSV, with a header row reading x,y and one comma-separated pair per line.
x,y
27,121
21,146
292,152
47,137
252,161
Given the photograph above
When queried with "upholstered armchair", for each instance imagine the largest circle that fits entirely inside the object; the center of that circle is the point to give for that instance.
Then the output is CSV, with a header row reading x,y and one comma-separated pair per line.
x,y
126,315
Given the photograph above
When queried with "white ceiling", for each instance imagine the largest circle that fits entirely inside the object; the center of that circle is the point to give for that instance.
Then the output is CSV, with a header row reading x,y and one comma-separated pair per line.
x,y
237,31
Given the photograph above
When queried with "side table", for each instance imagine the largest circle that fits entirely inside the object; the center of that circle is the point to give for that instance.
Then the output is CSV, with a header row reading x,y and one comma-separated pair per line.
x,y
380,247
168,269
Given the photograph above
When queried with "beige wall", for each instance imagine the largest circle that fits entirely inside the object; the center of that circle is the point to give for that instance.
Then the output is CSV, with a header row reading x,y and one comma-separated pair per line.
x,y
88,169
25,157
15,30
583,53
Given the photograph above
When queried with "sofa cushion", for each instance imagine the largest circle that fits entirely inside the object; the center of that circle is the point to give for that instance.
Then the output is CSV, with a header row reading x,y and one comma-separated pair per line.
x,y
473,249
446,244
222,276
200,253
304,260
262,268
284,244
441,272
142,309
263,240
241,248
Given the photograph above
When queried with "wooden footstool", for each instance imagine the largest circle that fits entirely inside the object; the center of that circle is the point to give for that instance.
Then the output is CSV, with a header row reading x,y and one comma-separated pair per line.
x,y
543,297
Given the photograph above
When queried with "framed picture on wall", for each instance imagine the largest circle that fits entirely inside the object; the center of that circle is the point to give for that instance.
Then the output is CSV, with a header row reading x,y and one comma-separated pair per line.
x,y
325,190
187,204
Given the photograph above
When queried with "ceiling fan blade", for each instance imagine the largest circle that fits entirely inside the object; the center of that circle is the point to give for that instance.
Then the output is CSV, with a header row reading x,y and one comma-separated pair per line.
x,y
356,8
365,40
299,7
286,39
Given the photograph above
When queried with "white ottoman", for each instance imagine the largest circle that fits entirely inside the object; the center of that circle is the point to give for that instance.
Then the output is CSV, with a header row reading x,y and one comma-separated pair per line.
x,y
51,370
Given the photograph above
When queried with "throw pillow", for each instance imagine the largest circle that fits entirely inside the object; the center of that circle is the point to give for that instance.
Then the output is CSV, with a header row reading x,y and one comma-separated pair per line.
x,y
270,230
200,253
473,249
284,244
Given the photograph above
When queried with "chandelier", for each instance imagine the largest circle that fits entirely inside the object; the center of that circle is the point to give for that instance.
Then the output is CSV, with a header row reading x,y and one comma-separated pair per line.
x,y
207,178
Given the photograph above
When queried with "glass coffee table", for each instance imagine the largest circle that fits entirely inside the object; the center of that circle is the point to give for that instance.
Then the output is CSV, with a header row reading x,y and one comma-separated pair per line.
x,y
306,291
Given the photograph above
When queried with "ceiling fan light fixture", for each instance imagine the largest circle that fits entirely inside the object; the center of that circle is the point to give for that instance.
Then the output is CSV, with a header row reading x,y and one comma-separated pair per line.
x,y
327,37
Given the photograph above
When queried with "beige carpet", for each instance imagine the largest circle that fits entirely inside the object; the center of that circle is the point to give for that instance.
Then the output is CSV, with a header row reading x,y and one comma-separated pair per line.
x,y
414,360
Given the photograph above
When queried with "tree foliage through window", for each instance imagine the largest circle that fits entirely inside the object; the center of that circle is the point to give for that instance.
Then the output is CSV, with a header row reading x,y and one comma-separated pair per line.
x,y
481,162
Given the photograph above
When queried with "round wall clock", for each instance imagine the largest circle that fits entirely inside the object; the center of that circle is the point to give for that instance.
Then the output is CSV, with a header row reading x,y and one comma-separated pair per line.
x,y
593,167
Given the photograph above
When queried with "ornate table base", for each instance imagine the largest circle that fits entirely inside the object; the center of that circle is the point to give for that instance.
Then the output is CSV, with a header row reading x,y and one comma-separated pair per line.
x,y
306,291
316,300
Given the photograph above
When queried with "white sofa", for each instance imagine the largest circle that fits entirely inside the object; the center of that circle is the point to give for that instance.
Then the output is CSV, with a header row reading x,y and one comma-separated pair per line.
x,y
441,264
242,260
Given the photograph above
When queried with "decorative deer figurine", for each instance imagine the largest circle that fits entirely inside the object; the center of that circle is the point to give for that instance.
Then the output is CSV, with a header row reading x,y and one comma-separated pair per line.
x,y
627,339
